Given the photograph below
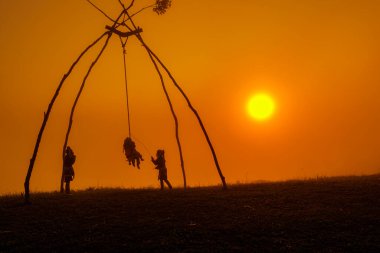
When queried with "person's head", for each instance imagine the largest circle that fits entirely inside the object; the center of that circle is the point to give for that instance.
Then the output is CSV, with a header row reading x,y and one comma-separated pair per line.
x,y
129,143
160,153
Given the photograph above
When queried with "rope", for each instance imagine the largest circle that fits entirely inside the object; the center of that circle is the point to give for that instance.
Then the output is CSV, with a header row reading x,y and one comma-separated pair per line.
x,y
123,44
145,147
126,83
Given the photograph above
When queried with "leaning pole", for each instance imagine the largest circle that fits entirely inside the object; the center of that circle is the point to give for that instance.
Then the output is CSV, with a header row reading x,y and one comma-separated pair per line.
x,y
46,118
47,113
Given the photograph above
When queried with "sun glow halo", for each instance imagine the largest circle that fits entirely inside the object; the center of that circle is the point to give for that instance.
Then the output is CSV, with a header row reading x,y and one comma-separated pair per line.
x,y
261,106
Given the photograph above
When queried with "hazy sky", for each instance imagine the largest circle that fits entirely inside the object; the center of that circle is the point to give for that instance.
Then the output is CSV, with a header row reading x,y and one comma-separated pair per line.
x,y
318,59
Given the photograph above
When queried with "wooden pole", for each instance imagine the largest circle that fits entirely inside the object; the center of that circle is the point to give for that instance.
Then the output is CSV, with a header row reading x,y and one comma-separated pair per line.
x,y
76,101
46,118
174,117
193,110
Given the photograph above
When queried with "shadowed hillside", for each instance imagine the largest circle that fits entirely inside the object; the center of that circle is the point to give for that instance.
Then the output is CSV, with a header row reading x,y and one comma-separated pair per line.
x,y
328,215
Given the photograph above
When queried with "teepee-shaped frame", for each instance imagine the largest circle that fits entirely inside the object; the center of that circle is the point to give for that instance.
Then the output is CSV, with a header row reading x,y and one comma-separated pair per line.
x,y
127,24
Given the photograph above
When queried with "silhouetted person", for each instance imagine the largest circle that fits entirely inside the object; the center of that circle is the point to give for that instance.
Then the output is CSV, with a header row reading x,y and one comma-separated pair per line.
x,y
161,167
68,170
133,156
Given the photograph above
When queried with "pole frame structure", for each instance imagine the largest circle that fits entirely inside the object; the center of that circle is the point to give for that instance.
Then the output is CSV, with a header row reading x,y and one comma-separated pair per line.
x,y
153,57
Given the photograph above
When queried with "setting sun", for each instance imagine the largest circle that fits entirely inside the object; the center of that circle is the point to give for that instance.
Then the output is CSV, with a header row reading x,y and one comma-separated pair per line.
x,y
261,106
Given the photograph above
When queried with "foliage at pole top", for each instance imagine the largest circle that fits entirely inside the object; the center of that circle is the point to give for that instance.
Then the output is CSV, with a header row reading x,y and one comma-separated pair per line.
x,y
161,6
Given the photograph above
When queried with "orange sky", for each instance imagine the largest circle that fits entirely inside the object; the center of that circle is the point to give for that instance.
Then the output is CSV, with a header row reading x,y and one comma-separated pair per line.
x,y
318,59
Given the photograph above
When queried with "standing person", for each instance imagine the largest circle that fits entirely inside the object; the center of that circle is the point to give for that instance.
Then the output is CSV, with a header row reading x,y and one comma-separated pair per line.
x,y
161,167
68,170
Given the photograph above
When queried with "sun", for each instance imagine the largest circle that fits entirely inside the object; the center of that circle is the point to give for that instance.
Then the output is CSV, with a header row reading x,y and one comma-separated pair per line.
x,y
261,106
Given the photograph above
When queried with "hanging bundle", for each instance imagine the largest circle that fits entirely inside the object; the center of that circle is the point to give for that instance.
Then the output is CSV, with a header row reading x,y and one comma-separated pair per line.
x,y
133,156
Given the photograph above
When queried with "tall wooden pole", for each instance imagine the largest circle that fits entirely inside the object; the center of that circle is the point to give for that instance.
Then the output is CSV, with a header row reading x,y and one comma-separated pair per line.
x,y
193,110
174,117
76,101
46,118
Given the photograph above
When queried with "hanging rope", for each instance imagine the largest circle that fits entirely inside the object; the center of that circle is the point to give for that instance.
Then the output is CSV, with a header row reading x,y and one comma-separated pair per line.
x,y
144,146
123,44
129,147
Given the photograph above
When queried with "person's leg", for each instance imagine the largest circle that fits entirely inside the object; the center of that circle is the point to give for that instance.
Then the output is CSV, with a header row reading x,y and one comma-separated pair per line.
x,y
168,183
67,187
162,184
138,163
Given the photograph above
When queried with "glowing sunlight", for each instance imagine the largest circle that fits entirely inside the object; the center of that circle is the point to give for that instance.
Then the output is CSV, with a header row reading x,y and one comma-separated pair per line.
x,y
261,106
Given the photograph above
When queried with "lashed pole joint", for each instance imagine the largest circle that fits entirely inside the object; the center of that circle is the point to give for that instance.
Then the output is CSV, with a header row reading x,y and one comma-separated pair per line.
x,y
124,34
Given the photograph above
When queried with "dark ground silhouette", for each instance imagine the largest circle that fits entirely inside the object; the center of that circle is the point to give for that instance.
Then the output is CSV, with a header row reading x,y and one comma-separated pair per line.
x,y
323,215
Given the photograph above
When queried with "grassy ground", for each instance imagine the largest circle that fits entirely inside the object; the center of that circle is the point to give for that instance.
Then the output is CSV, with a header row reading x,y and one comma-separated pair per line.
x,y
323,215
